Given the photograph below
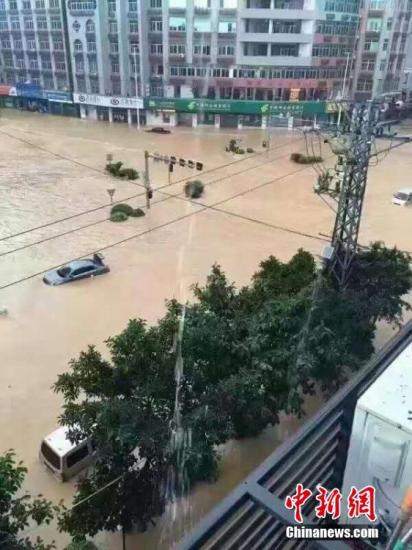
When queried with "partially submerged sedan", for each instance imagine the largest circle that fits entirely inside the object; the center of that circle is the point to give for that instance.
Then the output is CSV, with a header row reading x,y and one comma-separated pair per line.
x,y
76,270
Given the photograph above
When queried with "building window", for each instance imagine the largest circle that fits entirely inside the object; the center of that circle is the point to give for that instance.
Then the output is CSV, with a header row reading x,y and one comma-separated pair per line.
x,y
54,4
81,87
255,49
157,70
156,4
55,24
111,6
94,86
18,44
26,5
156,25
220,73
201,49
41,24
44,45
79,66
92,65
116,88
48,83
31,44
90,28
227,26
177,24
226,50
78,46
364,85
133,27
46,63
3,25
61,83
15,23
384,45
82,5
368,65
156,48
134,47
91,46
205,4
58,45
132,5
20,63
113,27
12,4
177,49
115,67
6,44
40,5
33,64
202,25
114,47
60,66
374,25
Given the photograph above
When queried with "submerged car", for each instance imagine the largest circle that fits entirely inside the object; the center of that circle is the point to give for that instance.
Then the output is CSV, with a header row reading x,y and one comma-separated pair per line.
x,y
403,197
62,457
159,130
76,270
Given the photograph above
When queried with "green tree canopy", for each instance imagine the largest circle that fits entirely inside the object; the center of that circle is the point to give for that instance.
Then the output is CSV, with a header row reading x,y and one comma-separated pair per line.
x,y
167,395
19,512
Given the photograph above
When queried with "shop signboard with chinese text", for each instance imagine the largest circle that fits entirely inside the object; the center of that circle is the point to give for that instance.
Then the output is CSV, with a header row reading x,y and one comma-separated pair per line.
x,y
223,106
109,101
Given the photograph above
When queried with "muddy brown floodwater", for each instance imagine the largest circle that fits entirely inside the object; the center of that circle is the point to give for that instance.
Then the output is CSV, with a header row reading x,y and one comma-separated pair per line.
x,y
54,207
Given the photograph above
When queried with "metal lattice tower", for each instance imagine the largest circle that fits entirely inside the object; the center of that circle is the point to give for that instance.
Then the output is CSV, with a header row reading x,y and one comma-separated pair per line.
x,y
351,197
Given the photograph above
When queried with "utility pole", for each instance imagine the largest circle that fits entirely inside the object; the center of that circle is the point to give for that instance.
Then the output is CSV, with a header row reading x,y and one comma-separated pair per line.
x,y
147,179
136,87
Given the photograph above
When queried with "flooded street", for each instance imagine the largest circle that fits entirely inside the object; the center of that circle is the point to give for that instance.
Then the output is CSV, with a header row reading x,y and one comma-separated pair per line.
x,y
54,207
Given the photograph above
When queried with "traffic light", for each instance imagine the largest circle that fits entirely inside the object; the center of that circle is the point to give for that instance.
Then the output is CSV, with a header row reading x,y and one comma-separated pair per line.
x,y
190,164
199,165
173,160
150,193
170,167
182,162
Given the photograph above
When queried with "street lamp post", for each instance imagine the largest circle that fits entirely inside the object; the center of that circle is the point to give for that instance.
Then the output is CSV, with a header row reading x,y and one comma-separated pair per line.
x,y
136,87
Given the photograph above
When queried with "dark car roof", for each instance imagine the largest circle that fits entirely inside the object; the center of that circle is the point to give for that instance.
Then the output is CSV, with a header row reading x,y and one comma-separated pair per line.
x,y
80,263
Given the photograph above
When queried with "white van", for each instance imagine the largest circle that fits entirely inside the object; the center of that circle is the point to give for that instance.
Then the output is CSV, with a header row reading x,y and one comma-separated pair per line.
x,y
63,458
403,197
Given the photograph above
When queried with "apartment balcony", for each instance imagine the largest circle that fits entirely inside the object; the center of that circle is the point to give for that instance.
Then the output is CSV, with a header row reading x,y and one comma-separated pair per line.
x,y
289,14
275,61
278,4
277,38
201,11
177,11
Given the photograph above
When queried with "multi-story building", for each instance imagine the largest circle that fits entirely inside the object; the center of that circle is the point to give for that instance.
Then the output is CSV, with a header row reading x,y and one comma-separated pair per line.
x,y
384,40
250,49
112,53
33,44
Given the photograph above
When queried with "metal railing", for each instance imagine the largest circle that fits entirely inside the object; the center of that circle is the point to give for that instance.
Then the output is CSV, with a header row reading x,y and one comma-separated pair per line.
x,y
253,516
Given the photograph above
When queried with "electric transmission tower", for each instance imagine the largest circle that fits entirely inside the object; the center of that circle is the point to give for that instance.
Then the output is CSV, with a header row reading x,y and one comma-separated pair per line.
x,y
346,183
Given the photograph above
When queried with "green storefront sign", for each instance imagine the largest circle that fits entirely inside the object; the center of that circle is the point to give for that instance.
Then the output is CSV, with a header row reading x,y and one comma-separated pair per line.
x,y
238,107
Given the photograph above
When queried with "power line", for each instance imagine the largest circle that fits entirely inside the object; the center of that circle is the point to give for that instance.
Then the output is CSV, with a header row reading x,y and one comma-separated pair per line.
x,y
161,226
168,197
89,211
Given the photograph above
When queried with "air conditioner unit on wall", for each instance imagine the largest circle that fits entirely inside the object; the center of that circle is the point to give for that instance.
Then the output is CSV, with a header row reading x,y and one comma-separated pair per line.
x,y
380,451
